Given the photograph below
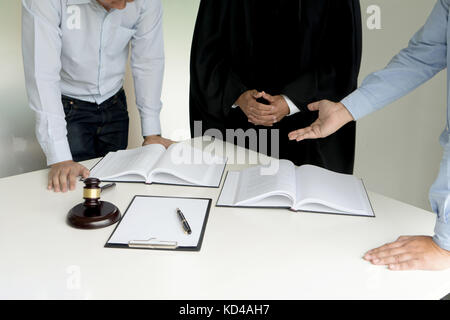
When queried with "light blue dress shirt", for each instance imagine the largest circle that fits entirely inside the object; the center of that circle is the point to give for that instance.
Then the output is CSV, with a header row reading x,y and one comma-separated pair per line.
x,y
425,56
78,49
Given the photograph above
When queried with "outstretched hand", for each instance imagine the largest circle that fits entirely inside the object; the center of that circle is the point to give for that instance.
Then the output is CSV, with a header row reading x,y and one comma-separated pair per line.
x,y
332,117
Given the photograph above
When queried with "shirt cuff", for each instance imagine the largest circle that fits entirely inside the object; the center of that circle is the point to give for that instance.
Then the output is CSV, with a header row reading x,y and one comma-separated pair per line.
x,y
57,151
150,126
293,109
358,104
442,235
234,106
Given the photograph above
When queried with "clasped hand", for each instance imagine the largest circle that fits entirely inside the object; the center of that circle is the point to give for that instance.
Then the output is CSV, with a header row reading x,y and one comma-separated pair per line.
x,y
263,114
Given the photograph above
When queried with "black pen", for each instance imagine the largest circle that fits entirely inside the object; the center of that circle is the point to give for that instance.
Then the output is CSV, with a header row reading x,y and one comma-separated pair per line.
x,y
184,222
107,186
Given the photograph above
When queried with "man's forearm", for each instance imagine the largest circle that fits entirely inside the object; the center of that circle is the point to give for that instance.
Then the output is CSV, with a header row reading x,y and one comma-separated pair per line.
x,y
42,65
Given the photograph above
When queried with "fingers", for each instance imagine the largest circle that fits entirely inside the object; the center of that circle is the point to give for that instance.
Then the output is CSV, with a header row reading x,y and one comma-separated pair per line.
x,y
267,121
259,109
55,182
398,255
404,238
389,256
63,177
268,97
75,173
261,114
311,132
85,173
314,106
257,95
72,180
300,134
167,143
297,133
63,174
157,140
412,264
386,247
50,181
394,259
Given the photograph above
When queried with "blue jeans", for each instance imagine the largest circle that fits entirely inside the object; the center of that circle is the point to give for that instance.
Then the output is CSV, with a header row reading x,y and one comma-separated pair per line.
x,y
94,130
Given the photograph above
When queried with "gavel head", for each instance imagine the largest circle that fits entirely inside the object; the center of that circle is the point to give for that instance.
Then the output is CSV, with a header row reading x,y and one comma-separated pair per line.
x,y
91,192
93,213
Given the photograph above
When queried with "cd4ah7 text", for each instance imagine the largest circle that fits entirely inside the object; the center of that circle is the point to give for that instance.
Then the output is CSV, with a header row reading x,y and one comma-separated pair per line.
x,y
245,309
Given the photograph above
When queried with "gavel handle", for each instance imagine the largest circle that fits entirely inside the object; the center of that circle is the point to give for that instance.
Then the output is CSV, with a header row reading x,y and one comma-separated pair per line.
x,y
107,186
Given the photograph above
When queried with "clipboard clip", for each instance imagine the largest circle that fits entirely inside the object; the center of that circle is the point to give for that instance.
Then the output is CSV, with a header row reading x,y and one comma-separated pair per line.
x,y
153,243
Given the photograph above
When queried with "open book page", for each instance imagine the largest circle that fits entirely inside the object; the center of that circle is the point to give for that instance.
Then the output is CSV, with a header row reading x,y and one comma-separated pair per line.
x,y
184,164
341,193
128,163
229,189
254,187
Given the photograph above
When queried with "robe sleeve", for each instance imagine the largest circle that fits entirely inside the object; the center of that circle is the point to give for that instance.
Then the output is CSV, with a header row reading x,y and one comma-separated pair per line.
x,y
335,74
211,71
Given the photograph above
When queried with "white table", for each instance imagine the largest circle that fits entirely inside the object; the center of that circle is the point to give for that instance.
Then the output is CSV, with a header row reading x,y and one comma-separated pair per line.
x,y
246,253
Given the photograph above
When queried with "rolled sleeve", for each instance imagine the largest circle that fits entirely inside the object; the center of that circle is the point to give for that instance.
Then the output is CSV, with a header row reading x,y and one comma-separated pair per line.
x,y
442,234
440,196
425,56
358,104
57,151
151,126
41,47
147,64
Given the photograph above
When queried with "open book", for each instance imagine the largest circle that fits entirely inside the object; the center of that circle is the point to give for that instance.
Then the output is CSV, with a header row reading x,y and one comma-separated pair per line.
x,y
304,188
180,164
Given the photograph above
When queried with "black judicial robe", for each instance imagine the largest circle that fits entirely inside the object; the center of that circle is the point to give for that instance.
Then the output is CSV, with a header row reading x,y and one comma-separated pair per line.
x,y
308,50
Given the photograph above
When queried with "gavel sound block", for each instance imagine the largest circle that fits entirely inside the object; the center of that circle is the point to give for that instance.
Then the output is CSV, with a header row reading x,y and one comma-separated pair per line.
x,y
93,213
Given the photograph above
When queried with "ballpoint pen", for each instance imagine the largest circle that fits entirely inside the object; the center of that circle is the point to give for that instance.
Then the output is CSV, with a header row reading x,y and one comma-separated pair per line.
x,y
184,222
107,186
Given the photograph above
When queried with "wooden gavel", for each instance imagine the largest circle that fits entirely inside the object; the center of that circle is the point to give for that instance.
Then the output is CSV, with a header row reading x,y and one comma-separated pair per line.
x,y
93,213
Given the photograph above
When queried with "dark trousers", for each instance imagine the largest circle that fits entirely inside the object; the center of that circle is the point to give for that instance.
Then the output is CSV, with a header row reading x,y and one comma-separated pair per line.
x,y
96,129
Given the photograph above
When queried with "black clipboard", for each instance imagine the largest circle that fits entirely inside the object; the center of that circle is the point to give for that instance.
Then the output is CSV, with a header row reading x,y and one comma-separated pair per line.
x,y
163,245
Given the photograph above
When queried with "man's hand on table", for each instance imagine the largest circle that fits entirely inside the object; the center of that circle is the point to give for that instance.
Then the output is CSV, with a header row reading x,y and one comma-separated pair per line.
x,y
157,140
410,253
63,176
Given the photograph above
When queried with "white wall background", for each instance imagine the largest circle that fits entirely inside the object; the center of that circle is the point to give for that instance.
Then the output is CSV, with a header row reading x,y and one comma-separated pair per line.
x,y
397,148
